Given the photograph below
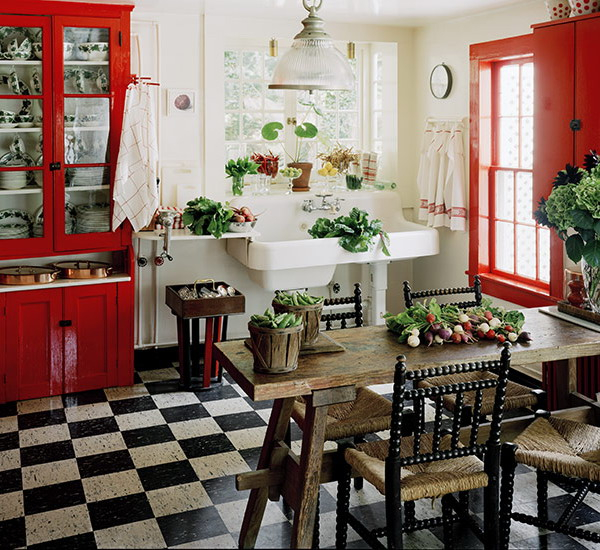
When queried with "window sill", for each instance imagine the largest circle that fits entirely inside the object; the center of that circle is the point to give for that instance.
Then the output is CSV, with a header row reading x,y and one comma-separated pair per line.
x,y
517,293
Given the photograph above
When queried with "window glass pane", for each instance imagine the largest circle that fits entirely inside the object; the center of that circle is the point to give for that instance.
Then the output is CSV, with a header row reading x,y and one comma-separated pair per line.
x,y
509,90
329,101
527,89
252,94
544,259
232,126
232,94
86,54
348,126
232,67
526,254
86,130
251,126
527,142
274,100
505,195
509,142
348,100
378,95
252,65
524,197
505,247
378,66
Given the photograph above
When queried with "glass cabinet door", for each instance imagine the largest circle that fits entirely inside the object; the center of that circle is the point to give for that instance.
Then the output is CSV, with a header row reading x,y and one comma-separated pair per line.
x,y
25,203
86,109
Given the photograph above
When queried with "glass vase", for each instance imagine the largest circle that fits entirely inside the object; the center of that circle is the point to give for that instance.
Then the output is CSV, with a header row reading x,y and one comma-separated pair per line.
x,y
591,281
237,185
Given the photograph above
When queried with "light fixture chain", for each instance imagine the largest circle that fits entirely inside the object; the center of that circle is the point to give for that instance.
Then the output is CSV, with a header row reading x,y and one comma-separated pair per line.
x,y
316,5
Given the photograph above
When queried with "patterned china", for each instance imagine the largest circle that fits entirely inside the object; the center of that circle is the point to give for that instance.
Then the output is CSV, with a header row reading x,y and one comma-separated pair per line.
x,y
68,50
37,49
13,180
36,82
102,82
20,50
69,120
16,86
7,119
93,51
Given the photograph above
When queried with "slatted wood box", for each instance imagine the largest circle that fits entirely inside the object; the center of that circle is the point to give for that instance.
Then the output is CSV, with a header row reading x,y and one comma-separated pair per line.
x,y
204,307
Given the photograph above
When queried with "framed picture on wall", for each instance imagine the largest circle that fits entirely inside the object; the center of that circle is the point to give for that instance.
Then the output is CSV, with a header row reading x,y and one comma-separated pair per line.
x,y
181,102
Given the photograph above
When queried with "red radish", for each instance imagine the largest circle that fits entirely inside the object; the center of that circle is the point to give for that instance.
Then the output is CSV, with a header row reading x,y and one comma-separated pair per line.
x,y
456,337
467,325
524,337
428,337
490,334
238,218
480,334
501,338
488,315
508,328
436,327
465,338
250,218
430,317
445,333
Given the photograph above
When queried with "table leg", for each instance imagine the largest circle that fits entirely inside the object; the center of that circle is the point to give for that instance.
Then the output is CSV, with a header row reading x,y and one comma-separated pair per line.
x,y
208,343
311,460
195,347
183,338
257,501
217,338
565,379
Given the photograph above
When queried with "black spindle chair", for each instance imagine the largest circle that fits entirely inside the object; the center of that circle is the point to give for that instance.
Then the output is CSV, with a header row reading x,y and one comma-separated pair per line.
x,y
430,464
560,450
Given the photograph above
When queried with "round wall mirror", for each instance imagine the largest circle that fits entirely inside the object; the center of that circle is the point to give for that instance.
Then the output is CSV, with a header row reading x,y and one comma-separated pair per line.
x,y
440,81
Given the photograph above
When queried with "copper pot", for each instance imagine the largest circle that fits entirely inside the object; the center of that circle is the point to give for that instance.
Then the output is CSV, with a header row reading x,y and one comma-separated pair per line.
x,y
84,269
27,275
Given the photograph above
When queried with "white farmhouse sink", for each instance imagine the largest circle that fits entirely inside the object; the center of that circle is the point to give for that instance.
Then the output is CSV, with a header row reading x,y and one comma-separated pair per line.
x,y
285,256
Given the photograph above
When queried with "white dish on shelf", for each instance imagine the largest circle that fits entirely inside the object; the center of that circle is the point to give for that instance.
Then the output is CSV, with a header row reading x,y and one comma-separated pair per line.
x,y
8,125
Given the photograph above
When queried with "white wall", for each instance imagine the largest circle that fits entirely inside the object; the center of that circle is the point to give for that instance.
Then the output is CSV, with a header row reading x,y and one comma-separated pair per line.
x,y
449,42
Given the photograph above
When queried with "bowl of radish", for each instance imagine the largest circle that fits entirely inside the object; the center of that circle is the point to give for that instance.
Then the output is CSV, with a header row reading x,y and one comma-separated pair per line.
x,y
242,221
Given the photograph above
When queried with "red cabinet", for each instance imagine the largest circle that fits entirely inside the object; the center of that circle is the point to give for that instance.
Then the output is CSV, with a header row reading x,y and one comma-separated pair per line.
x,y
61,340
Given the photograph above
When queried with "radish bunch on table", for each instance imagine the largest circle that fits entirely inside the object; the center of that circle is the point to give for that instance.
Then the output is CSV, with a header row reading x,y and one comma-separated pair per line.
x,y
241,215
430,323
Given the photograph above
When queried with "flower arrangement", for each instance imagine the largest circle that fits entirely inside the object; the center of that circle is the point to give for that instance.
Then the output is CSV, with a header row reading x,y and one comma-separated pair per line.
x,y
574,204
340,158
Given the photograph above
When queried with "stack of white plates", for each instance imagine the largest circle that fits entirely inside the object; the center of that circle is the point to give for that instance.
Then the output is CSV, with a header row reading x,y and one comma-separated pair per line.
x,y
70,220
93,218
87,177
13,180
14,231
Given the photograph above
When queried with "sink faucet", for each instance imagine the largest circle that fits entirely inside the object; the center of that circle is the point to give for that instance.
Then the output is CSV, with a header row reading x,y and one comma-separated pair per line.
x,y
330,206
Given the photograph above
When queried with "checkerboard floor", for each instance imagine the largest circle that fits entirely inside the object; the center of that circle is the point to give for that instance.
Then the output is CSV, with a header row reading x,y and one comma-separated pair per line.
x,y
137,468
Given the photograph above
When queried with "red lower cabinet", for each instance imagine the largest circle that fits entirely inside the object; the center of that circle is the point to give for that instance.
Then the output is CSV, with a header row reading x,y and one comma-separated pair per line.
x,y
61,341
34,344
90,337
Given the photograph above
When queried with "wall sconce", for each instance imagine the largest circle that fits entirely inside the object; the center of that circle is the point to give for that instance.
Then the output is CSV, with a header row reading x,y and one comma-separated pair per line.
x,y
351,50
273,47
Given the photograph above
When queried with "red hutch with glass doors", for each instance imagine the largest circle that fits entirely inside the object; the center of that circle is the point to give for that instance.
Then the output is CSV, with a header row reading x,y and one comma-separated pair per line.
x,y
64,69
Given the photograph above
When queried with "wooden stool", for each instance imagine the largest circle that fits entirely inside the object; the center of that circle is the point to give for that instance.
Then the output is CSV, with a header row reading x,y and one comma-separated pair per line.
x,y
189,312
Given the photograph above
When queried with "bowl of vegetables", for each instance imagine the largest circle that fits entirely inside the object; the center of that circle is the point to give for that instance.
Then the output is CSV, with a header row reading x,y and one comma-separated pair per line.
x,y
275,341
242,220
308,308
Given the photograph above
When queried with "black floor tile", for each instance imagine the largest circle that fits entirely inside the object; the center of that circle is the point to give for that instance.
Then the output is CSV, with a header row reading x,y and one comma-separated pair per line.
x,y
40,419
50,452
84,398
583,515
259,405
217,393
186,412
10,480
106,463
119,511
12,533
95,426
167,475
273,536
135,404
206,445
251,456
9,440
137,379
87,541
239,421
147,436
222,489
150,359
191,526
8,409
52,497
552,541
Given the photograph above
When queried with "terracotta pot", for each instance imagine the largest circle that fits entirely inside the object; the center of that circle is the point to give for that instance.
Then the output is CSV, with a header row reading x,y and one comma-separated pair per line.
x,y
302,183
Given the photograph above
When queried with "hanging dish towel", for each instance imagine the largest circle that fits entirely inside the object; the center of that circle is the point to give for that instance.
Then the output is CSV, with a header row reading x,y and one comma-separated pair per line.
x,y
135,192
441,178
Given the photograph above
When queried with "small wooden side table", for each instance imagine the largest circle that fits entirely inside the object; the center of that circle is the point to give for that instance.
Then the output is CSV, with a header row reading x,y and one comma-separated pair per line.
x,y
189,312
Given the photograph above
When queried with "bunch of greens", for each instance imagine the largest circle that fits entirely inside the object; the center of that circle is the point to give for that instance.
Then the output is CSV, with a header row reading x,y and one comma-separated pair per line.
x,y
297,299
574,203
355,231
430,322
240,167
207,217
270,320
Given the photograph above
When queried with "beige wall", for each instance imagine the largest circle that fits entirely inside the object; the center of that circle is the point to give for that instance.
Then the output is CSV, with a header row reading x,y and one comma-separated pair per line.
x,y
449,42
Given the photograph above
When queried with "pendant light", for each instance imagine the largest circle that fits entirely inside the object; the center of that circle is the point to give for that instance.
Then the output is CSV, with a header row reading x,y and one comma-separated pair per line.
x,y
313,62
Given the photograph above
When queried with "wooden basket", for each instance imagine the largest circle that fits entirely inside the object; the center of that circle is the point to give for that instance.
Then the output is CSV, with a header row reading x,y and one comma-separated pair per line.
x,y
311,320
275,350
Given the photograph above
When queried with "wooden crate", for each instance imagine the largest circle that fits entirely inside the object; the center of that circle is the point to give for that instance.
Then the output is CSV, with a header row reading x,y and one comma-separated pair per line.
x,y
204,307
566,307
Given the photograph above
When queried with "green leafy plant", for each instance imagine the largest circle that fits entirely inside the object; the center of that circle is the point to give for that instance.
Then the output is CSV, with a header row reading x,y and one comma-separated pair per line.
x,y
271,320
297,299
355,231
574,204
207,217
237,169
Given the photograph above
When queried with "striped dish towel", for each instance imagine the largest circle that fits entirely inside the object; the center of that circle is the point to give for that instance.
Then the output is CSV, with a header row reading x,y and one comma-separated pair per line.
x,y
369,167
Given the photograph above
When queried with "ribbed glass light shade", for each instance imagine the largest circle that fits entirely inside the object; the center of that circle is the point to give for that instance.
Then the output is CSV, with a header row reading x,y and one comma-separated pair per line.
x,y
313,64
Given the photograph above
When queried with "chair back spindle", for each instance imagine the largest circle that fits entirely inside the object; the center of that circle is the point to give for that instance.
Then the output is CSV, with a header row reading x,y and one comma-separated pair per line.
x,y
410,296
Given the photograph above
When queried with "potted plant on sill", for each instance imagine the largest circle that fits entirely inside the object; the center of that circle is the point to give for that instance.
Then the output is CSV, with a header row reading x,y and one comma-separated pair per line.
x,y
573,211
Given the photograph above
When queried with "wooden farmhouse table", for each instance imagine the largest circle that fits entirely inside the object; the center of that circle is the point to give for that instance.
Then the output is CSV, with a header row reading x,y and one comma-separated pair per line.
x,y
328,378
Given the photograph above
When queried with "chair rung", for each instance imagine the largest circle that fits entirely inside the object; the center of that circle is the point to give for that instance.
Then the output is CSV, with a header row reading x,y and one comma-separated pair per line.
x,y
553,526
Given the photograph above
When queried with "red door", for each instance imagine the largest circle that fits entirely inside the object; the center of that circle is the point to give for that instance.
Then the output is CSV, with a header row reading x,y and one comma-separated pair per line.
x,y
2,348
34,355
90,337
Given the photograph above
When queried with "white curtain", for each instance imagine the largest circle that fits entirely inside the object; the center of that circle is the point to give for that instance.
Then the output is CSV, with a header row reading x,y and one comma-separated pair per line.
x,y
441,178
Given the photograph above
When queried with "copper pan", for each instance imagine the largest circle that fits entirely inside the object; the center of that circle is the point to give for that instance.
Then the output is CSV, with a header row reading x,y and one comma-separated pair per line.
x,y
83,269
27,275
